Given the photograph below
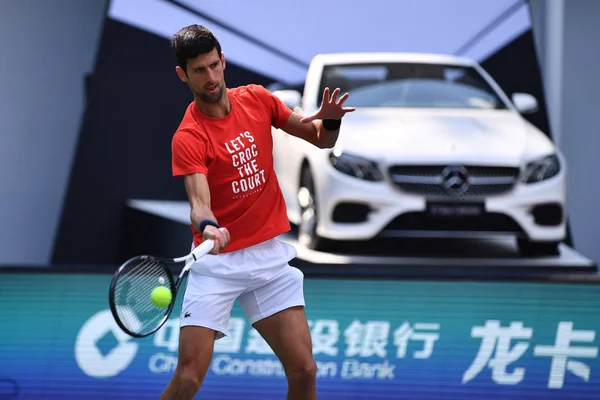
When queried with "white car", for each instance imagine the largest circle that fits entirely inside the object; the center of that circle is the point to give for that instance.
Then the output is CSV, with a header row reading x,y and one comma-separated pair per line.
x,y
434,149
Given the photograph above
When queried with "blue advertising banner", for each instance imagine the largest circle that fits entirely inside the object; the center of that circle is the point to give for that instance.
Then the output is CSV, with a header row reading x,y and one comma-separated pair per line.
x,y
372,340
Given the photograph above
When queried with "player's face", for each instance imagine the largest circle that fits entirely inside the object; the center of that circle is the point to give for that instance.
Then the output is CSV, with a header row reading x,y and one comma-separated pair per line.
x,y
205,76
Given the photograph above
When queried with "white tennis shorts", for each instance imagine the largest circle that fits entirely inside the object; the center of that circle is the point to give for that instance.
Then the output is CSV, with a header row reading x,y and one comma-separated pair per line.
x,y
258,276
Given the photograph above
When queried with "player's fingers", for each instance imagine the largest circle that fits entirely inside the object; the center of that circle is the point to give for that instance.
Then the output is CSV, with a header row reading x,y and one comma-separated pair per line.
x,y
223,239
216,237
325,96
225,233
219,239
342,99
215,249
335,94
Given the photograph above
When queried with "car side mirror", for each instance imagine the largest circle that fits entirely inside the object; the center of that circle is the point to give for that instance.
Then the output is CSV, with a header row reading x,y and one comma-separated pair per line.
x,y
525,103
291,98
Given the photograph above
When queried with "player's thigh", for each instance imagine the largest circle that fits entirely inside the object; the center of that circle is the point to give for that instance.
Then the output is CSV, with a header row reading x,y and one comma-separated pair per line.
x,y
207,302
288,334
273,294
276,311
205,313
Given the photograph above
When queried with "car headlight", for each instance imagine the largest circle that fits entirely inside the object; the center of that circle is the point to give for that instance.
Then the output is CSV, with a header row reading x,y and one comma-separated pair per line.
x,y
541,169
355,166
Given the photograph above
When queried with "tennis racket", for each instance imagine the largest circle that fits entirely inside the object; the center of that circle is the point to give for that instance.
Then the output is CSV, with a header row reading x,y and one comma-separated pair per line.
x,y
132,285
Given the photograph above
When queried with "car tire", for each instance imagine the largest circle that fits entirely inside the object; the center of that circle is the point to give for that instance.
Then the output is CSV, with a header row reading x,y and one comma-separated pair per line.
x,y
307,229
531,248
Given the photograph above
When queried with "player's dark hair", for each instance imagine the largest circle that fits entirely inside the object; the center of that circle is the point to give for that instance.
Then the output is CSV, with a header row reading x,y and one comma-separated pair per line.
x,y
192,41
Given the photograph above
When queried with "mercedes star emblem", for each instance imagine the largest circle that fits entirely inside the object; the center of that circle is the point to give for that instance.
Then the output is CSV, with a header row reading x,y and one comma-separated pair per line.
x,y
455,180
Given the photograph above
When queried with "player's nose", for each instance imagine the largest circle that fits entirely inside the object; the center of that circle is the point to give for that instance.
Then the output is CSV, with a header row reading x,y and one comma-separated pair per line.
x,y
212,76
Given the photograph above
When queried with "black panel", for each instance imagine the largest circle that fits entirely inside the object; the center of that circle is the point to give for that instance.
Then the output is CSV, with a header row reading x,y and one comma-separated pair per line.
x,y
146,233
134,104
516,69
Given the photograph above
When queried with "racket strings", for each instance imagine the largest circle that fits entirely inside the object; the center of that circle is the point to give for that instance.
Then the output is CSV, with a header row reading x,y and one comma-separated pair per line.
x,y
132,294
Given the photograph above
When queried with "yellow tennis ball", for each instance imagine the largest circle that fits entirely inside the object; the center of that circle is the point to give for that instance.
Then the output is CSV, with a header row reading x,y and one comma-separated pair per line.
x,y
161,296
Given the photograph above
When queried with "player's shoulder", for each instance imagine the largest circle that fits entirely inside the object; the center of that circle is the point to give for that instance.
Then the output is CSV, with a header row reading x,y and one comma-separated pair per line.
x,y
185,133
249,88
252,90
189,126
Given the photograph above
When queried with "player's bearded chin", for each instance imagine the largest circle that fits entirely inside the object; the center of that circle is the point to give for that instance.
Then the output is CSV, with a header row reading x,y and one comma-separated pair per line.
x,y
212,97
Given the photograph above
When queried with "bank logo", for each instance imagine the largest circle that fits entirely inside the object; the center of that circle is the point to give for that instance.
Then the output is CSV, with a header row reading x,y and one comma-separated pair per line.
x,y
102,350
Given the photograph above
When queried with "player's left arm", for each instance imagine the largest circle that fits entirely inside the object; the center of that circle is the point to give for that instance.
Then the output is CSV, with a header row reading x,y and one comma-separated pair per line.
x,y
323,127
313,131
320,129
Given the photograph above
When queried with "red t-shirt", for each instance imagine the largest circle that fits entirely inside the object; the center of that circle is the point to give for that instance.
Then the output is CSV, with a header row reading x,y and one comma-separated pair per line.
x,y
236,155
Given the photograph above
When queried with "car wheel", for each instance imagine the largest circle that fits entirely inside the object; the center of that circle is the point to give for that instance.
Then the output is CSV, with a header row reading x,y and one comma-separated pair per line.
x,y
307,230
529,248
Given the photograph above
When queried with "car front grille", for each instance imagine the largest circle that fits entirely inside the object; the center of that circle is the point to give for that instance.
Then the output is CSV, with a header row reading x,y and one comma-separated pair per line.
x,y
454,180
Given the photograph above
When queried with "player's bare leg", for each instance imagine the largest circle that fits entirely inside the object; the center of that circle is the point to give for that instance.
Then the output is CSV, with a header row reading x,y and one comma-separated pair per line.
x,y
196,346
288,335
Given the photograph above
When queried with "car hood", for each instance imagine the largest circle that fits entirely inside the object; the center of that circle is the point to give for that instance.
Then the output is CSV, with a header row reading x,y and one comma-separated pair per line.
x,y
444,136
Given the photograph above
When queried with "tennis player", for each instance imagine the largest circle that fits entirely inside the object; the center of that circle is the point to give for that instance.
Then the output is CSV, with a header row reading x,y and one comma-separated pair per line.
x,y
223,150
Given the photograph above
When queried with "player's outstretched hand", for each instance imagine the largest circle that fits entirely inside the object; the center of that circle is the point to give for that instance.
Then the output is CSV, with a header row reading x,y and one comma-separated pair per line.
x,y
331,107
220,236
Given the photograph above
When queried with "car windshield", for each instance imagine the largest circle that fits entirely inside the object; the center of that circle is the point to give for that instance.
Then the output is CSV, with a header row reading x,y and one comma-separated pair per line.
x,y
411,85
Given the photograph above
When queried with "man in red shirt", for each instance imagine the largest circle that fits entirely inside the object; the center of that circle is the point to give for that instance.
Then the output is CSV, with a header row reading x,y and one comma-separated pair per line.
x,y
223,149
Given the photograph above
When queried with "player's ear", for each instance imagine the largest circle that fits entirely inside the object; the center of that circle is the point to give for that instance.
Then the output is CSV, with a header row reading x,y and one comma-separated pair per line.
x,y
181,73
223,59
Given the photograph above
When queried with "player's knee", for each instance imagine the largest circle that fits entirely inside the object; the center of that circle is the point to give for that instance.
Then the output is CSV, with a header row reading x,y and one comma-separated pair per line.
x,y
190,378
304,374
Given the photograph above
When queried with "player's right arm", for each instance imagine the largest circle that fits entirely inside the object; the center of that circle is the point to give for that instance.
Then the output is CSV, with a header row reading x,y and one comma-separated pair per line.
x,y
189,161
196,186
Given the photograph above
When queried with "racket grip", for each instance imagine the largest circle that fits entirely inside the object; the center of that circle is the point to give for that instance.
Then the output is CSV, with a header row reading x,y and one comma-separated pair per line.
x,y
203,249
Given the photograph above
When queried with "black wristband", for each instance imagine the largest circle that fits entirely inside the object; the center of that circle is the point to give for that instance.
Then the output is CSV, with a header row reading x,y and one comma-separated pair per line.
x,y
332,124
206,222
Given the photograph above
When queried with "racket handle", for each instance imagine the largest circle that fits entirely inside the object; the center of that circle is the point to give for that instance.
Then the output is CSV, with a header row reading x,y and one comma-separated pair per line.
x,y
203,249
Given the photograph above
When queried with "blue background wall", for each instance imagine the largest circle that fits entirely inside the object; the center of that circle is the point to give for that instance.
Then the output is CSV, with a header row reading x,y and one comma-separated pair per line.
x,y
488,341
